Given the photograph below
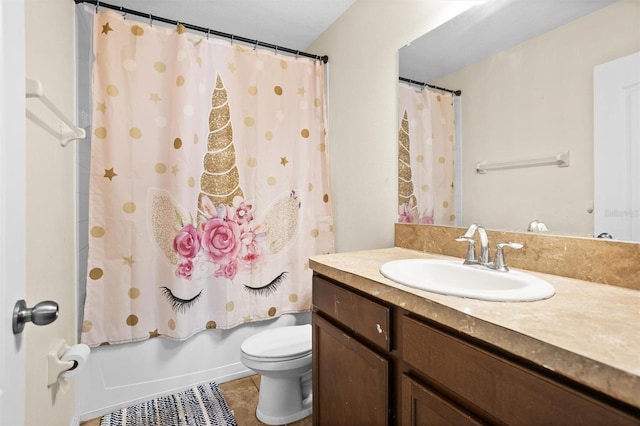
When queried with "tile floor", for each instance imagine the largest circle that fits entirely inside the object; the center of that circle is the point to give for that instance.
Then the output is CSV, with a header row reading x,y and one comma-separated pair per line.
x,y
242,397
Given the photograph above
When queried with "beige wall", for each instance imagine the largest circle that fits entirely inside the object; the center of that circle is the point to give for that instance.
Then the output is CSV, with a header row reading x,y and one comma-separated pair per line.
x,y
50,206
363,130
534,100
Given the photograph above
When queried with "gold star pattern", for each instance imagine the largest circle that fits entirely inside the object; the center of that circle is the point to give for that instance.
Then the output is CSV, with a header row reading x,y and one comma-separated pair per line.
x,y
301,91
101,106
283,161
106,28
175,170
128,261
110,174
231,67
154,333
154,97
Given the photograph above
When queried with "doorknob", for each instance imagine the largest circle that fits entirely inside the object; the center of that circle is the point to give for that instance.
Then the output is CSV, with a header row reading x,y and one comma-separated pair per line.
x,y
42,314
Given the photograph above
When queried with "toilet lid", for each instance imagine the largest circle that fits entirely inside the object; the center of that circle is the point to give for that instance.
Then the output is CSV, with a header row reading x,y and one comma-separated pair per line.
x,y
279,342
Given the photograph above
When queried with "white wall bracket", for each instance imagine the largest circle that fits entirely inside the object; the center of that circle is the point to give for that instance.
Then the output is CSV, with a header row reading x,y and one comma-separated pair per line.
x,y
34,90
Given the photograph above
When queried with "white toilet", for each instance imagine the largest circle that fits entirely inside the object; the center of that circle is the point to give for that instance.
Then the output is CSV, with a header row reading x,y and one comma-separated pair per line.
x,y
282,357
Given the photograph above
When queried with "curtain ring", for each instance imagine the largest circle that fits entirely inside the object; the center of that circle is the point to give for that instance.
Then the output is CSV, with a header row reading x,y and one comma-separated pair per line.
x,y
124,14
232,36
97,5
208,31
255,46
150,20
297,54
275,51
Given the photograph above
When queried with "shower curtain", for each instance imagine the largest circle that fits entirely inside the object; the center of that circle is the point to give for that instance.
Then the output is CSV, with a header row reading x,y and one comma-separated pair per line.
x,y
209,184
426,168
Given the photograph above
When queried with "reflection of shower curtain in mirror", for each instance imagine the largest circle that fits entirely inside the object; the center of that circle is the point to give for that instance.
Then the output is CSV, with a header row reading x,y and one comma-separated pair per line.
x,y
209,185
426,169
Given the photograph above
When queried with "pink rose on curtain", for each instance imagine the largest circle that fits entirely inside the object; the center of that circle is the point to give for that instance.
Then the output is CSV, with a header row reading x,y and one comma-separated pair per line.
x,y
225,237
243,213
187,242
250,249
228,271
185,269
404,214
221,240
407,212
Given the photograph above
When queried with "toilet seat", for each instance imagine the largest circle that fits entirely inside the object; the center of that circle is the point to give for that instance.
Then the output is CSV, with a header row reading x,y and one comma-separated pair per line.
x,y
279,344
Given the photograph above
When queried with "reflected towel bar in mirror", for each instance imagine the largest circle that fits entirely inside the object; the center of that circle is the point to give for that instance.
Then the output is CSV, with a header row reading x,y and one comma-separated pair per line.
x,y
560,160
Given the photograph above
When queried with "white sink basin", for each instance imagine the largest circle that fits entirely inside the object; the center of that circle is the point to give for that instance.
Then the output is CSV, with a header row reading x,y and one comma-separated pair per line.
x,y
455,279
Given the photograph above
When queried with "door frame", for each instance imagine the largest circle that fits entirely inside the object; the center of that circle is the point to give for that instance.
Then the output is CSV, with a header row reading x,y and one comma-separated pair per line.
x,y
616,148
12,207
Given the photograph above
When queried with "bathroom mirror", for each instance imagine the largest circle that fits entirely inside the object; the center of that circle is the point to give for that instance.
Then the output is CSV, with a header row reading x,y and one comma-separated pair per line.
x,y
526,72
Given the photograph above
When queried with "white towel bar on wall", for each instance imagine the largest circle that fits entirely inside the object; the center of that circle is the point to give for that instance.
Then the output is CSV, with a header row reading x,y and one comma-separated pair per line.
x,y
34,90
560,160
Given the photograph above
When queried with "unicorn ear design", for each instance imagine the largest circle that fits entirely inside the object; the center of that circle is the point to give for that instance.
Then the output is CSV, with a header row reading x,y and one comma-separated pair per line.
x,y
166,214
281,222
405,183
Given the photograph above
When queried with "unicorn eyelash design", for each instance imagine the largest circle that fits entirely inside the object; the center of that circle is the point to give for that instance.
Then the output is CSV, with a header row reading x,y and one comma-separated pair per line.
x,y
268,289
178,304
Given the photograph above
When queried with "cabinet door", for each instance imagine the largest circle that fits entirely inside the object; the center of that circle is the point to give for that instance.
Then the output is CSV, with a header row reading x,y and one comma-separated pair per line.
x,y
423,406
350,381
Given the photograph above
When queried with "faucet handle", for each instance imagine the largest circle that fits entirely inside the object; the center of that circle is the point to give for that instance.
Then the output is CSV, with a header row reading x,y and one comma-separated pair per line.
x,y
471,250
499,264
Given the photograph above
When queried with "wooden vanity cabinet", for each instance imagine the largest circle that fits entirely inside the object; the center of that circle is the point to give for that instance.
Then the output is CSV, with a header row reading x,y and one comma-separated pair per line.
x,y
350,371
377,364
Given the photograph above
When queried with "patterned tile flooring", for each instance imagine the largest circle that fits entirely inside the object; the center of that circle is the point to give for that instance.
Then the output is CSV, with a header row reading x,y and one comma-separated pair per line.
x,y
242,397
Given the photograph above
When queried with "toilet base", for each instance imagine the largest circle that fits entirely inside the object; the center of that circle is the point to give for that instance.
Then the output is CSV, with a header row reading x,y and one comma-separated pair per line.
x,y
274,409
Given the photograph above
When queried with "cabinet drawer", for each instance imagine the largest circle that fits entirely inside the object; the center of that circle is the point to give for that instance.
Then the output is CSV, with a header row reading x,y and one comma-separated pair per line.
x,y
365,317
497,387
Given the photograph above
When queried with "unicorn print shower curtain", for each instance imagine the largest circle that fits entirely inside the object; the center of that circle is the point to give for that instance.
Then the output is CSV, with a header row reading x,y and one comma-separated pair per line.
x,y
426,169
209,185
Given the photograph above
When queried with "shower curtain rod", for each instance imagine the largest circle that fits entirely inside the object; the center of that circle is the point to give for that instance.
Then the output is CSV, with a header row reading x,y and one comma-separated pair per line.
x,y
419,83
207,31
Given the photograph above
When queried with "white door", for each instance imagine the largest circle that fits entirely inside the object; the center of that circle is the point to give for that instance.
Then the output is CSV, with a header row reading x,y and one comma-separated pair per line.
x,y
12,212
617,148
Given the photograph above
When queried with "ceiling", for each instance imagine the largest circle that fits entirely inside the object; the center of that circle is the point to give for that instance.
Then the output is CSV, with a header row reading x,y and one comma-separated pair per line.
x,y
484,30
293,24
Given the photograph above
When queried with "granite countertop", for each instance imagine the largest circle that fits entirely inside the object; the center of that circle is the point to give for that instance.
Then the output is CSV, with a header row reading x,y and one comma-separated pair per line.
x,y
587,331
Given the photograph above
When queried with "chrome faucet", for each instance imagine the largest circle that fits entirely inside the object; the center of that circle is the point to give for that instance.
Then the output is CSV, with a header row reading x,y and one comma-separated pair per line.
x,y
484,245
484,259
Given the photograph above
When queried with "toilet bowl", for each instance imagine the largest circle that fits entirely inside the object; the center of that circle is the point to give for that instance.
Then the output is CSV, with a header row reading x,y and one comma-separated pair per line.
x,y
282,357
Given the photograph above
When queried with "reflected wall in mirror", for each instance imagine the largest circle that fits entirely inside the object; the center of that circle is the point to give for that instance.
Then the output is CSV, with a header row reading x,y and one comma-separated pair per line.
x,y
526,72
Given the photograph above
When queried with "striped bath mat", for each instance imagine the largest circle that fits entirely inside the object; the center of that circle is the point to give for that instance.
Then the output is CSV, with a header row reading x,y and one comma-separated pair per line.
x,y
200,405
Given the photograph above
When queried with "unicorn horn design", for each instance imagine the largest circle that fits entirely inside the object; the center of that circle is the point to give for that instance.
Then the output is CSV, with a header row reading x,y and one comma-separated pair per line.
x,y
220,181
405,183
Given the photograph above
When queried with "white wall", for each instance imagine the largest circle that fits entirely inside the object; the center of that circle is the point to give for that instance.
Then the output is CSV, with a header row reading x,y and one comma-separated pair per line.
x,y
363,128
534,100
50,204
